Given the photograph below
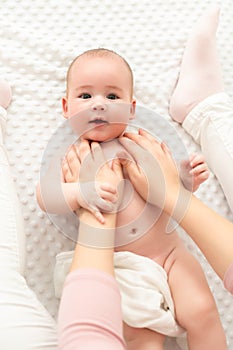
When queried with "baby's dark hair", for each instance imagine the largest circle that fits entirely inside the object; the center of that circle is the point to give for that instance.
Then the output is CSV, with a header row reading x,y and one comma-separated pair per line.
x,y
99,52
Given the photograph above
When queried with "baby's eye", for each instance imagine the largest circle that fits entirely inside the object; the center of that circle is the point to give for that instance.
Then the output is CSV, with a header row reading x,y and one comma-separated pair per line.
x,y
112,97
85,96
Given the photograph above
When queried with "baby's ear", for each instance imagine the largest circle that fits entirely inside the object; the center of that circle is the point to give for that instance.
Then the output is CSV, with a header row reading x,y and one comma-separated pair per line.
x,y
65,107
132,109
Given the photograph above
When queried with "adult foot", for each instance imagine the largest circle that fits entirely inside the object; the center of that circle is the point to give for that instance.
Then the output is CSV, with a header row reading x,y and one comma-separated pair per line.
x,y
200,72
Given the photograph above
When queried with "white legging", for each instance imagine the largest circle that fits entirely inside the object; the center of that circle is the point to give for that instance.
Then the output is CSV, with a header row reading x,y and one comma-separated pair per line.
x,y
24,322
210,123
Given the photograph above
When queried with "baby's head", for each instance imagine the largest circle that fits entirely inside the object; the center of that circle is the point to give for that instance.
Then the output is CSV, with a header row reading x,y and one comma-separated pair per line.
x,y
100,93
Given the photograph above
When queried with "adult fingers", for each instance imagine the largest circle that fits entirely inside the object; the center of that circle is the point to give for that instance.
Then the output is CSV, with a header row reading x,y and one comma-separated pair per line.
x,y
148,136
142,146
137,139
166,149
97,154
91,160
83,150
134,149
67,176
73,162
132,168
98,215
143,138
117,168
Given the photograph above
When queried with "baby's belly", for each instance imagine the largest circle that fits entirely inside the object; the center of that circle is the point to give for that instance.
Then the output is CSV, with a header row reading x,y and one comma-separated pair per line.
x,y
141,227
145,230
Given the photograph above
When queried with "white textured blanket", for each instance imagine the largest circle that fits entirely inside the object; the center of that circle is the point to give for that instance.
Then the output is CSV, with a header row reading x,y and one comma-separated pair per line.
x,y
38,41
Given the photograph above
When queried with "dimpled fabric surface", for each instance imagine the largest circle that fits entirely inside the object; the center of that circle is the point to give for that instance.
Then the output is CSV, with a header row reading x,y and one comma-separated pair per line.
x,y
38,41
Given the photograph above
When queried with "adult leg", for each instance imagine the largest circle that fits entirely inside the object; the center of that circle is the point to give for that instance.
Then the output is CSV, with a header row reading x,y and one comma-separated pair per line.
x,y
200,71
199,103
24,324
12,239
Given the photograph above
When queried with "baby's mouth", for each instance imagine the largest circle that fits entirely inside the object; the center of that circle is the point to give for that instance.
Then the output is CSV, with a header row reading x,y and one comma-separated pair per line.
x,y
98,121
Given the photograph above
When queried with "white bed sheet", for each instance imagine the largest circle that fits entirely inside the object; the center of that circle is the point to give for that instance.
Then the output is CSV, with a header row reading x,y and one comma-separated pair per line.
x,y
38,41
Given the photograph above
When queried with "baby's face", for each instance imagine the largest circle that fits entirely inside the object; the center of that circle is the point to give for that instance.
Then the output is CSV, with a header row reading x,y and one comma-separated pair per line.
x,y
99,101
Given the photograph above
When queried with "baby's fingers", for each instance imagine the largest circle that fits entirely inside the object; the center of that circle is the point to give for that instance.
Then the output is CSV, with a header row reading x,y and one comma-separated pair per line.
x,y
199,169
196,159
204,175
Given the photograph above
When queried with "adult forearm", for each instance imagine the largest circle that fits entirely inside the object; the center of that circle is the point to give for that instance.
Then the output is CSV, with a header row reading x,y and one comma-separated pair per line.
x,y
95,243
90,312
211,232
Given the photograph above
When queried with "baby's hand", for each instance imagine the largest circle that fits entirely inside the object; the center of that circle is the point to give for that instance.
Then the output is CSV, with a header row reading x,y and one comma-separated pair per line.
x,y
193,172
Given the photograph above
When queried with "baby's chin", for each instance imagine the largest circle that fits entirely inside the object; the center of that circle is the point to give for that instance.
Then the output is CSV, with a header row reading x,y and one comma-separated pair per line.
x,y
100,138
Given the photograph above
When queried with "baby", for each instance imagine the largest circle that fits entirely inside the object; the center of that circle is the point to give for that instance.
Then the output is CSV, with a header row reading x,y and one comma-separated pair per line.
x,y
99,103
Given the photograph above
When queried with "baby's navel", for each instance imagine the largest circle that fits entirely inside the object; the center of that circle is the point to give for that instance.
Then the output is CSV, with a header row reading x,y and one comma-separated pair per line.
x,y
133,231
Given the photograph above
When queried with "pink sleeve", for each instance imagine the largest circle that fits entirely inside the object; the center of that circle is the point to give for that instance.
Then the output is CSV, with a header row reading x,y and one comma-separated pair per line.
x,y
228,279
90,312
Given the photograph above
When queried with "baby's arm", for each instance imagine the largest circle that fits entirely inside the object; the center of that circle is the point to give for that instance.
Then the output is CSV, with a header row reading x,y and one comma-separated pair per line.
x,y
193,172
47,197
53,194
70,194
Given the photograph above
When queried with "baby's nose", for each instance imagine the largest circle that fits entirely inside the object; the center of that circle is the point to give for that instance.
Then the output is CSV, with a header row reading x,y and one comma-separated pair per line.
x,y
99,107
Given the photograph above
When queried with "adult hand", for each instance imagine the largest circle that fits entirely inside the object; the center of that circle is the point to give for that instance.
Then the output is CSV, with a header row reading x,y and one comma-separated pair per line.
x,y
97,180
153,172
94,168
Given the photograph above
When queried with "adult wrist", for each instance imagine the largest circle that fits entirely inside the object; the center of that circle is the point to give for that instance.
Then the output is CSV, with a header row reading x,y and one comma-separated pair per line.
x,y
94,234
177,203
